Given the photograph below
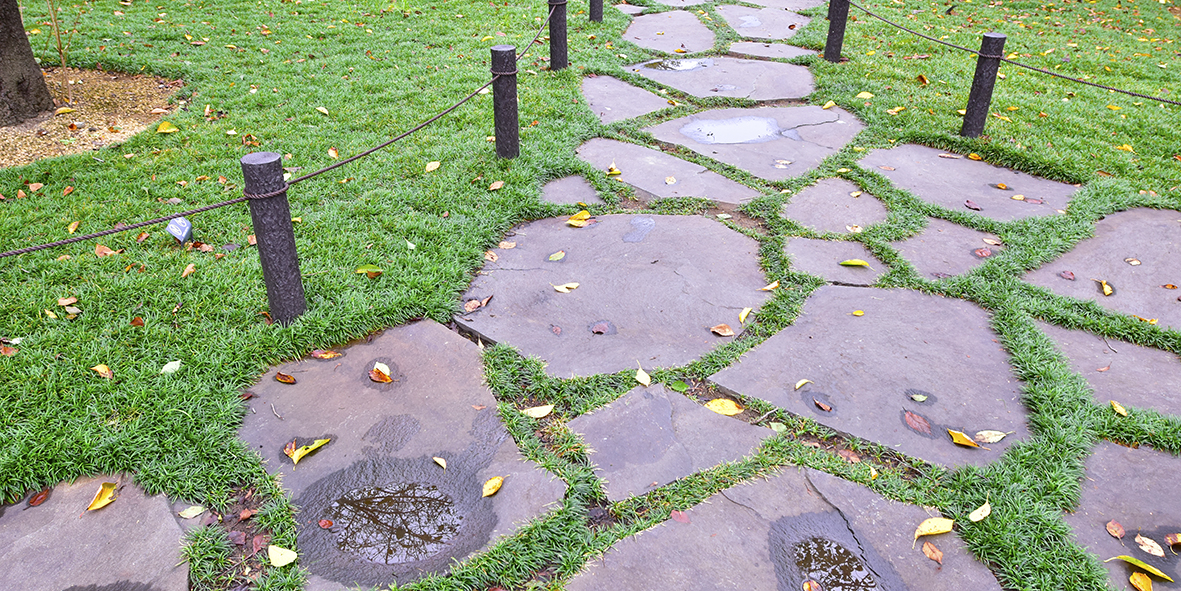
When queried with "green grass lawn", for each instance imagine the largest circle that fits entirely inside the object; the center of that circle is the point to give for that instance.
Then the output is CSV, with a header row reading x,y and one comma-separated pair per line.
x,y
379,68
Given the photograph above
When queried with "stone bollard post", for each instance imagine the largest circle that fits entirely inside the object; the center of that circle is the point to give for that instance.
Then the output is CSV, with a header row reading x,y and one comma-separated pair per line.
x,y
271,216
838,15
558,59
992,47
504,101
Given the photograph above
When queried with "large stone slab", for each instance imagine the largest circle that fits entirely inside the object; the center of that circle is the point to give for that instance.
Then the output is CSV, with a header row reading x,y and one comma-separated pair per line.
x,y
762,23
756,80
570,190
823,258
630,10
670,31
871,368
397,514
1145,235
1137,488
652,436
834,205
944,249
949,182
648,291
649,170
773,143
612,99
1132,375
133,543
778,533
768,50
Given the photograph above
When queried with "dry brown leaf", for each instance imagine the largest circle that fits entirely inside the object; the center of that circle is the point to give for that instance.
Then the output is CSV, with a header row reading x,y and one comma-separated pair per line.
x,y
849,455
104,371
282,377
7,351
1115,529
495,186
932,552
101,251
822,406
189,270
918,422
722,330
67,301
506,245
491,256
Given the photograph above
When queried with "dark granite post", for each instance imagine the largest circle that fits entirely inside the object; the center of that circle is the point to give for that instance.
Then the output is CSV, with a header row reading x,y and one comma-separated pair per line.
x,y
992,47
558,60
504,101
263,173
596,10
838,14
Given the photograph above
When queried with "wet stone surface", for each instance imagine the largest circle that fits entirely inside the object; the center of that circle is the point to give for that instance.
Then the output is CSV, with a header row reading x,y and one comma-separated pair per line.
x,y
778,533
1134,376
949,182
944,249
768,50
649,171
647,291
651,436
773,143
670,31
1137,488
570,190
823,257
764,23
133,543
756,80
396,514
611,99
833,205
895,375
1146,236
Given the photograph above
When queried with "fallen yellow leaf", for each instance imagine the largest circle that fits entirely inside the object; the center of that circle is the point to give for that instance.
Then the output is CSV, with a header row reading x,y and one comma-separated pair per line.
x,y
1140,563
864,95
743,314
1119,408
104,371
105,496
724,406
771,287
933,526
280,556
858,313
565,287
642,376
432,166
962,439
72,227
1140,581
322,110
63,111
440,461
854,263
980,513
829,105
492,486
800,384
538,412
166,127
1126,148
298,454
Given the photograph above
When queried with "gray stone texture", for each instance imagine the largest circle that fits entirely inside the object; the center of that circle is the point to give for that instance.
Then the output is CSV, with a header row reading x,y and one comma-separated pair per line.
x,y
762,23
745,538
1134,376
669,31
628,9
611,99
705,77
135,541
647,278
570,190
823,257
386,434
648,170
793,5
943,249
1147,235
768,50
773,143
652,436
829,206
1138,489
949,182
868,368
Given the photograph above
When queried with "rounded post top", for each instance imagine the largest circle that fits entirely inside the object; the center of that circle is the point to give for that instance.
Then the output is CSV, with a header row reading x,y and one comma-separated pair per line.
x,y
261,158
496,48
994,35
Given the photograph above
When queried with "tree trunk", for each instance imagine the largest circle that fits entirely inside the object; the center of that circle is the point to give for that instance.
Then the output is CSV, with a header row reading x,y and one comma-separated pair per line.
x,y
23,93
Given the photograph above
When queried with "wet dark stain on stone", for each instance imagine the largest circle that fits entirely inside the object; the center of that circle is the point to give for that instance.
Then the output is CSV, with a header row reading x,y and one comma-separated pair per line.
x,y
832,565
396,376
116,586
641,226
806,396
391,433
920,396
300,442
736,130
679,65
602,327
396,523
919,424
823,547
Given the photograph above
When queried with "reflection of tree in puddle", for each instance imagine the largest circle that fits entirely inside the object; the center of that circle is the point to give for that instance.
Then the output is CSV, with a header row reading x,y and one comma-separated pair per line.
x,y
832,565
395,524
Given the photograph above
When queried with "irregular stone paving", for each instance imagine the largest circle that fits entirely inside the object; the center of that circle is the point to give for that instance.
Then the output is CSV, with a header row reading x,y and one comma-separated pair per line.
x,y
1145,235
670,31
647,292
871,368
611,99
383,439
765,23
1138,489
773,143
662,442
630,10
834,205
570,190
133,543
795,5
649,171
779,533
944,249
823,258
1134,376
736,78
952,179
768,50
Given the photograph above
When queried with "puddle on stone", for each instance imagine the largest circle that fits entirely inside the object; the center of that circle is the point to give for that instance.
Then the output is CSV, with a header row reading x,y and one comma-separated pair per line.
x,y
640,228
680,65
396,523
832,565
737,130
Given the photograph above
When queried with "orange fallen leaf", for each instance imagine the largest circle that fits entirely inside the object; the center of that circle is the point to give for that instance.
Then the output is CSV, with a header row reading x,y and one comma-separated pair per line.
x,y
325,354
67,191
189,270
1140,581
962,439
101,251
1115,529
722,330
105,496
932,552
104,371
282,377
7,351
379,376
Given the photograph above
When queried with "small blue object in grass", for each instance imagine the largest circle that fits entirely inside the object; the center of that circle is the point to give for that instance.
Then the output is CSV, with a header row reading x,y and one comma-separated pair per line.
x,y
181,229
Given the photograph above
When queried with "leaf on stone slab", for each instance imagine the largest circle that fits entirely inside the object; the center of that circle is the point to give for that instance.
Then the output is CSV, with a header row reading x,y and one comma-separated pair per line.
x,y
432,166
299,453
933,526
918,422
39,498
822,406
170,367
679,516
800,384
440,461
668,180
1118,408
104,371
490,256
380,373
538,412
743,314
724,406
612,171
280,556
992,241
325,354
191,512
557,256
932,552
1106,287
980,513
325,523
983,253
854,228
828,105
1115,529
770,287
854,263
1150,546
1140,563
565,287
579,219
492,486
506,245
282,377
643,377
1140,581
971,205
1170,539
1067,275
722,330
962,439
989,436
105,496
858,313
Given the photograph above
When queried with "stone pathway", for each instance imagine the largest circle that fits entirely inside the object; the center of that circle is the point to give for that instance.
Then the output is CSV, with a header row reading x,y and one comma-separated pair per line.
x,y
729,77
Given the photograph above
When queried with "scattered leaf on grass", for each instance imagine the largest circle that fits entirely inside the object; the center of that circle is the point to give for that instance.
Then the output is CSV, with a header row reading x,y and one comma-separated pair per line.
x,y
245,514
974,156
7,351
989,436
980,513
1140,563
298,454
1118,408
72,227
565,287
432,166
322,110
325,523
1140,581
580,219
864,95
370,271
170,367
101,251
380,373
849,456
918,422
679,516
492,486
743,314
800,384
1116,530
854,263
280,556
66,301
104,371
538,412
557,256
258,542
724,406
189,270
932,552
777,427
722,330
962,439
137,321
933,526
822,406
325,354
643,377
40,497
166,127
191,512
1150,546
771,287
49,314
282,377
105,496
496,185
679,386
